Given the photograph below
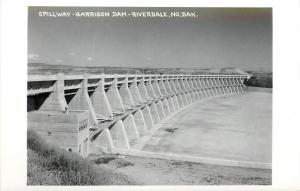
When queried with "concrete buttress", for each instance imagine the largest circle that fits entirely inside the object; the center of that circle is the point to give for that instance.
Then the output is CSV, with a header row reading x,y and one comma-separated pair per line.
x,y
81,101
56,100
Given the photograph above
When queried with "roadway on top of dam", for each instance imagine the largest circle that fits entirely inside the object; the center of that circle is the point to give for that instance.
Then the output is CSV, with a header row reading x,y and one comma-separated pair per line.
x,y
238,127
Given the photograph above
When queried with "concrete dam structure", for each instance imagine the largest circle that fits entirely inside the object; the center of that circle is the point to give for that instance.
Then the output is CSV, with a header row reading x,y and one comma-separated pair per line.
x,y
111,113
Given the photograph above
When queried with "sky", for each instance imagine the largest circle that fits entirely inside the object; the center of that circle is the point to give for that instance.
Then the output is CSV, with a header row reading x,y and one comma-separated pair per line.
x,y
216,38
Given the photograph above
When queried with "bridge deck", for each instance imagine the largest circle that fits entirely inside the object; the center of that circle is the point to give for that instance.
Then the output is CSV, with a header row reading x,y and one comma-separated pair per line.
x,y
233,128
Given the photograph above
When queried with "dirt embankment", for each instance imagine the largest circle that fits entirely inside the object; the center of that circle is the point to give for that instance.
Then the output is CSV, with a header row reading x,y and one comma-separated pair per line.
x,y
164,172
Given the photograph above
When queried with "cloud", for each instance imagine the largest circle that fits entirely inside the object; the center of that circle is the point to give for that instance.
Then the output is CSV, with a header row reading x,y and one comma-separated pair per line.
x,y
72,53
58,61
90,58
33,57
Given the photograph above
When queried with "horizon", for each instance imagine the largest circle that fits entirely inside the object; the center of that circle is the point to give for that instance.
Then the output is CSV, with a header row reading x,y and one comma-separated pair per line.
x,y
137,67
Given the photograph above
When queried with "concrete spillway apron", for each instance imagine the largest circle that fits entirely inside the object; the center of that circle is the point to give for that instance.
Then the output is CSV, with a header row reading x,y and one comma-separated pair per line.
x,y
136,151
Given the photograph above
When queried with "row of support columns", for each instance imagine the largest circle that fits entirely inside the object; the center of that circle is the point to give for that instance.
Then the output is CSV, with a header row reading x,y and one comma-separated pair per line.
x,y
122,108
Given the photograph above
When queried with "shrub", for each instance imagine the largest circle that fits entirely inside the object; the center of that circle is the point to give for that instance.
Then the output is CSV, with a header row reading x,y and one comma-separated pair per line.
x,y
260,79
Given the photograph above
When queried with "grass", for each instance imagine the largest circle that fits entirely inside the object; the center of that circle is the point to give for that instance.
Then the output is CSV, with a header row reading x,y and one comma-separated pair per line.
x,y
49,165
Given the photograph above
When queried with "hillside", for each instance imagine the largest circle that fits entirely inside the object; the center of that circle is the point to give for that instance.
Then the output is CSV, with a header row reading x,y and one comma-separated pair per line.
x,y
48,165
42,68
254,78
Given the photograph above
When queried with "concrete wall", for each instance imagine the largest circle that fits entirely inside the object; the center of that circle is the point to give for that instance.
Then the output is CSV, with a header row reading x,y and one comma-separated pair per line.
x,y
66,130
120,108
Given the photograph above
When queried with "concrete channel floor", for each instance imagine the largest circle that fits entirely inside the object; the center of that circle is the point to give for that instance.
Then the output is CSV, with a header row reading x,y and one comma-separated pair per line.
x,y
238,127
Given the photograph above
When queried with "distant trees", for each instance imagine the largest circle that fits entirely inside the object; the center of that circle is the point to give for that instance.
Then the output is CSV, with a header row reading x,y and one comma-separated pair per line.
x,y
260,79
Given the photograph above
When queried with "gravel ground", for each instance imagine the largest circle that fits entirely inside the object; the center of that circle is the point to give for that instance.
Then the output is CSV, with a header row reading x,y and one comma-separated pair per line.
x,y
146,171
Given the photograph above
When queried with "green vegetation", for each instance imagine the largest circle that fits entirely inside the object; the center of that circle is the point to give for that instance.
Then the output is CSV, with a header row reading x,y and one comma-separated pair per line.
x,y
48,165
260,79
